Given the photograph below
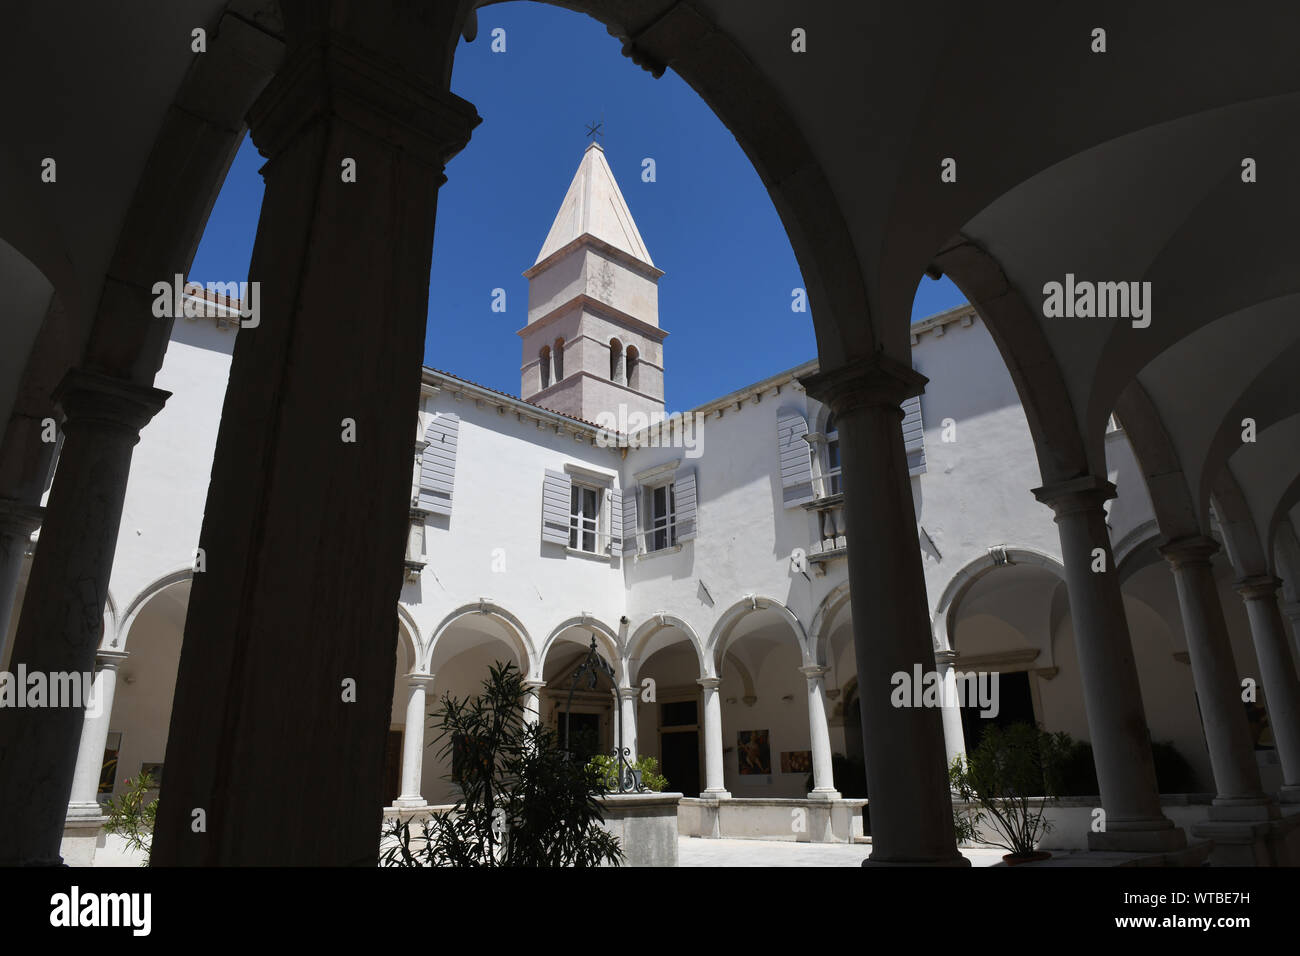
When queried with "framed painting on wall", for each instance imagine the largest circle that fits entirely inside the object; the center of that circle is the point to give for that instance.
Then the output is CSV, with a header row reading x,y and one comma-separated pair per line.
x,y
753,752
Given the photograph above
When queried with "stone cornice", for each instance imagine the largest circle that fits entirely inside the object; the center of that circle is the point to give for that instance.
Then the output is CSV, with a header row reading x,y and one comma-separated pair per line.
x,y
587,239
964,313
603,309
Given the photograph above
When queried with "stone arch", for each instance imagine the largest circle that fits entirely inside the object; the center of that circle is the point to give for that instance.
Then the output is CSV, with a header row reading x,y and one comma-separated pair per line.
x,y
961,582
743,672
1138,549
409,632
656,623
122,630
721,636
1240,536
606,640
516,633
1015,330
824,618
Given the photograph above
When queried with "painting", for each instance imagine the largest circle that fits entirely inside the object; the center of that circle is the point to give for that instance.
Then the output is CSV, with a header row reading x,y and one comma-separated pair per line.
x,y
796,761
753,753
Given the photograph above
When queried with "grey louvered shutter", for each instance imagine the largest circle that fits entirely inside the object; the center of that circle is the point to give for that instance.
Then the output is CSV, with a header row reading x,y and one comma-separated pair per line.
x,y
685,497
438,463
630,526
795,456
556,488
615,521
914,436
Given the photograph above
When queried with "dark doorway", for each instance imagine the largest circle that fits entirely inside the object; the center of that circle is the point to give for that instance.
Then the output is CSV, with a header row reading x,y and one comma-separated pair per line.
x,y
681,761
584,735
1015,706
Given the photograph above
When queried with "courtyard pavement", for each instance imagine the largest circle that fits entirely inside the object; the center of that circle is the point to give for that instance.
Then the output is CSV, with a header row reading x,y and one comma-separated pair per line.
x,y
694,851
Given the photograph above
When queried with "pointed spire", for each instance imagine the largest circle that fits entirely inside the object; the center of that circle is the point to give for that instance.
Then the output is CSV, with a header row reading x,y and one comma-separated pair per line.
x,y
594,205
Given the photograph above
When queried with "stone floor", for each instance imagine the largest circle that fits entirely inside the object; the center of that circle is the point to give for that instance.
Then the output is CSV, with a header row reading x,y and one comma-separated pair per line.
x,y
693,851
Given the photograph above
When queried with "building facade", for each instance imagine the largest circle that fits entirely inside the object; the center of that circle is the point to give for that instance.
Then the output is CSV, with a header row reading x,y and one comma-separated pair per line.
x,y
704,554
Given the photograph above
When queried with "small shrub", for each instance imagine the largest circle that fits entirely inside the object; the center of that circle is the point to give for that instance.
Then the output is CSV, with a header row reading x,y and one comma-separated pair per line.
x,y
129,816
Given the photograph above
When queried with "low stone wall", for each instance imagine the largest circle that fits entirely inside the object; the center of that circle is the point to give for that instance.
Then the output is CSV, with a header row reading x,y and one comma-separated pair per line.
x,y
645,824
798,820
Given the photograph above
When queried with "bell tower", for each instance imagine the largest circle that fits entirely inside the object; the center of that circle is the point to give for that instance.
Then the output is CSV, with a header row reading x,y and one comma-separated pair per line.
x,y
593,342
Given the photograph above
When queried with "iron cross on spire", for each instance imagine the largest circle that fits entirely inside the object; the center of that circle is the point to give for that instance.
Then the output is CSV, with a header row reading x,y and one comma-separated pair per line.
x,y
593,129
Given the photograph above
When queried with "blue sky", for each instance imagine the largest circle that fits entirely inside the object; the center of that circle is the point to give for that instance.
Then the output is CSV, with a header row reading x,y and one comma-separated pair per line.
x,y
707,220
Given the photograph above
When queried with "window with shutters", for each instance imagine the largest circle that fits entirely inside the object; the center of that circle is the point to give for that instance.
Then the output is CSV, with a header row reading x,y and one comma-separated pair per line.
x,y
585,518
661,517
831,473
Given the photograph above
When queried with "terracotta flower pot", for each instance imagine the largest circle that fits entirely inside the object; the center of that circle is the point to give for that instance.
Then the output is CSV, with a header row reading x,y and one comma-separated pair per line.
x,y
1014,859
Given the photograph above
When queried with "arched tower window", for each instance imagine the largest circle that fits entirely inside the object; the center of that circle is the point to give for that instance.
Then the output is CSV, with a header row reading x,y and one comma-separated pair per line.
x,y
544,365
558,356
615,360
633,367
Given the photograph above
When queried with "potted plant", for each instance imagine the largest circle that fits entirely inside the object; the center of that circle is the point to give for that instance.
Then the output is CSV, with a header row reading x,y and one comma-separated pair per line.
x,y
1006,784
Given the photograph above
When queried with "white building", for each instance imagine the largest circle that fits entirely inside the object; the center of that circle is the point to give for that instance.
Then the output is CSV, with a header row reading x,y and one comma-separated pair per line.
x,y
705,555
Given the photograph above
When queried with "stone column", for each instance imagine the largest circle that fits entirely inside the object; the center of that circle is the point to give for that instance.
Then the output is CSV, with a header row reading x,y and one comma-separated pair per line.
x,y
819,734
1232,758
293,624
907,779
715,785
1121,745
533,700
1278,674
1290,611
94,738
954,737
63,610
17,522
627,700
413,741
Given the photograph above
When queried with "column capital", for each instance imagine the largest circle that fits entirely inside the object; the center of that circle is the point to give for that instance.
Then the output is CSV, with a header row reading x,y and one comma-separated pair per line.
x,y
812,671
1086,493
111,659
1257,587
86,396
534,685
1292,610
19,518
420,680
710,683
333,76
875,381
628,693
1191,551
945,658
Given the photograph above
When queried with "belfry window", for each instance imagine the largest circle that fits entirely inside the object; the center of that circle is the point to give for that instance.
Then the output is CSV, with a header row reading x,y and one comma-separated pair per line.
x,y
544,365
558,356
633,367
615,360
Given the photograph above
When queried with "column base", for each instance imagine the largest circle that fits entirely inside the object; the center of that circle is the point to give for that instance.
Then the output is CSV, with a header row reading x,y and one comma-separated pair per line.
x,y
715,794
824,793
410,803
85,813
1158,835
1251,809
